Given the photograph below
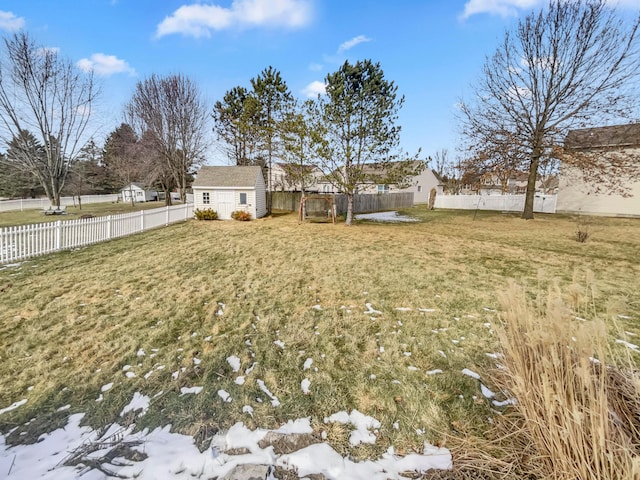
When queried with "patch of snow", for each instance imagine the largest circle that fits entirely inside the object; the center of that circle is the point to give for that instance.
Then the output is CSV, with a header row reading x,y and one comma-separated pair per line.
x,y
224,395
317,307
385,217
106,387
279,343
304,385
504,403
628,345
307,364
130,374
138,402
433,372
624,317
190,390
427,310
486,392
234,363
248,409
403,309
371,310
412,368
363,425
239,380
62,409
140,353
470,373
196,361
274,400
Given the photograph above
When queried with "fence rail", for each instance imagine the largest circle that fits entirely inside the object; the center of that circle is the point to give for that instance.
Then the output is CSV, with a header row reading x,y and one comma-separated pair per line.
x,y
503,203
26,241
362,203
33,203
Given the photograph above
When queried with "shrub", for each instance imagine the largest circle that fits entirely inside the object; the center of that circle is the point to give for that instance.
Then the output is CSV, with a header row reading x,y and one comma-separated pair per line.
x,y
207,214
241,216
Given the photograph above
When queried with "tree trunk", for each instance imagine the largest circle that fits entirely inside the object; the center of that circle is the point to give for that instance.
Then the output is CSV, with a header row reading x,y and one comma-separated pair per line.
x,y
349,219
527,213
56,199
79,203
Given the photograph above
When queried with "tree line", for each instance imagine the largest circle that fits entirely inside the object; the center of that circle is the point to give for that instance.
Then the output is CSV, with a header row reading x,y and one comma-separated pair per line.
x,y
567,65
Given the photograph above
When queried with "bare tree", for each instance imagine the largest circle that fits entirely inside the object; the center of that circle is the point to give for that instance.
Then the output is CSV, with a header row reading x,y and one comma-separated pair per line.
x,y
43,93
566,66
174,111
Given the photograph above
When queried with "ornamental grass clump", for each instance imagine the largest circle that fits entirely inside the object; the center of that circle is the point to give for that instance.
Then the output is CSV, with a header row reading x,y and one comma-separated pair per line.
x,y
206,214
241,216
575,414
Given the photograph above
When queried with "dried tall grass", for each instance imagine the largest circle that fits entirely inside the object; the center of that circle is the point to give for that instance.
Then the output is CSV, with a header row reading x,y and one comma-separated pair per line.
x,y
579,414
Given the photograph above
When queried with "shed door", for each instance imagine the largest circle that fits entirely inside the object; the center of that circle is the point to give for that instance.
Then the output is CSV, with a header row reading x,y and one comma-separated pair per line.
x,y
225,203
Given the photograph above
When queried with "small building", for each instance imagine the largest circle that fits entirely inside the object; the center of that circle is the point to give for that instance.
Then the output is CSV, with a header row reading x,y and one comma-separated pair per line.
x,y
139,193
593,194
228,189
289,177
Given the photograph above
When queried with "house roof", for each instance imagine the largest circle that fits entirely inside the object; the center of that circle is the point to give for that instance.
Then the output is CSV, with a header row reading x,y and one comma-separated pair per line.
x,y
236,176
614,136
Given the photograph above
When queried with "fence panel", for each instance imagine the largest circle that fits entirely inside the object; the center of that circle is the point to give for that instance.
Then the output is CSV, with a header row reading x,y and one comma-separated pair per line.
x,y
502,203
40,203
362,203
25,241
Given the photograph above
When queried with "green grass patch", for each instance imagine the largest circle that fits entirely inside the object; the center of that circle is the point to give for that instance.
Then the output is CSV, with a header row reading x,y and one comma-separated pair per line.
x,y
76,321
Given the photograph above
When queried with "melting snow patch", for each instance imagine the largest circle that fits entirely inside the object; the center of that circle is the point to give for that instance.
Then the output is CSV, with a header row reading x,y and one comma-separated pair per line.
x,y
13,406
304,385
274,400
317,307
470,373
307,364
234,363
140,353
362,423
624,317
486,392
385,217
628,345
107,387
248,409
138,402
224,395
427,310
130,374
188,390
433,372
371,310
504,403
279,343
403,309
239,380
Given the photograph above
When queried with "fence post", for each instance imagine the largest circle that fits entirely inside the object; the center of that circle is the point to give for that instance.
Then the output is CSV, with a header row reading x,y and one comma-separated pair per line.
x,y
58,235
166,218
142,220
108,227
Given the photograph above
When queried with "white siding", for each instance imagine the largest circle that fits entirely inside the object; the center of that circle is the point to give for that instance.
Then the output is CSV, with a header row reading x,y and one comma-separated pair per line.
x,y
261,197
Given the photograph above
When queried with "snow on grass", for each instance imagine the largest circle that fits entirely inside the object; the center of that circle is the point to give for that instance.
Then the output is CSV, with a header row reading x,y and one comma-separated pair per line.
x,y
13,406
403,309
427,310
385,217
317,307
225,396
631,346
371,310
106,387
279,343
486,392
433,372
248,409
190,390
138,402
304,385
470,373
239,380
307,364
363,425
234,363
274,400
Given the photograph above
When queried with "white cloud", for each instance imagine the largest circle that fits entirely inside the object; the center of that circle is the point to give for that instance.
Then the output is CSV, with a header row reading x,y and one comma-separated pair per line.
x,y
508,8
349,44
314,89
9,22
106,65
316,67
198,20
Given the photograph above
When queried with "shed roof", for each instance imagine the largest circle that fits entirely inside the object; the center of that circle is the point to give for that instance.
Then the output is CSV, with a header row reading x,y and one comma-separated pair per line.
x,y
236,176
614,136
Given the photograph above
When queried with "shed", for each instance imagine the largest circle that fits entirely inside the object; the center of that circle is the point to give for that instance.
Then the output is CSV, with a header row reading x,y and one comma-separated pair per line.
x,y
227,189
139,193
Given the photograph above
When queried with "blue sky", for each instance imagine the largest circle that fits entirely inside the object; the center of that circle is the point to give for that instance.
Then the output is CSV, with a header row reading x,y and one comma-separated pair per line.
x,y
432,49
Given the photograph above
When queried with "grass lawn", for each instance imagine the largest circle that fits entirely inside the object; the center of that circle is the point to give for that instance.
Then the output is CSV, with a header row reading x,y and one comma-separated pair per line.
x,y
10,219
163,310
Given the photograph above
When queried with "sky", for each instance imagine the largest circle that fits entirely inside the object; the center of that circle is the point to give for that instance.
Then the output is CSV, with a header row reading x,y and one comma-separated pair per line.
x,y
432,49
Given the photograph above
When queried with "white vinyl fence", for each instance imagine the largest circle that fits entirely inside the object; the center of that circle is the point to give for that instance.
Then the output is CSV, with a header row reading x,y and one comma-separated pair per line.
x,y
25,241
33,203
502,203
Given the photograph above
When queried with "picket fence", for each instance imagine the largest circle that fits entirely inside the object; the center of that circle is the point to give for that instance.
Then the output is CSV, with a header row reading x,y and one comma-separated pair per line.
x,y
501,203
33,203
26,241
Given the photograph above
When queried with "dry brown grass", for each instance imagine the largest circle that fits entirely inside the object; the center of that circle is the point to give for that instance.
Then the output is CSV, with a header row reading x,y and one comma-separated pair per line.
x,y
576,416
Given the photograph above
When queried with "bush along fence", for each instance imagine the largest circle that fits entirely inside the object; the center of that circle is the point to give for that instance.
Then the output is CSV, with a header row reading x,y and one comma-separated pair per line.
x,y
502,203
362,203
26,241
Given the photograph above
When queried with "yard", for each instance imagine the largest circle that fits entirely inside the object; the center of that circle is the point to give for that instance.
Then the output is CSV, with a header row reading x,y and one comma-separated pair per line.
x,y
279,321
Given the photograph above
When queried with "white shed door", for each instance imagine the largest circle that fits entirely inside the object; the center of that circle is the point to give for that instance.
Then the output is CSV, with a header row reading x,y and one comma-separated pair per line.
x,y
225,201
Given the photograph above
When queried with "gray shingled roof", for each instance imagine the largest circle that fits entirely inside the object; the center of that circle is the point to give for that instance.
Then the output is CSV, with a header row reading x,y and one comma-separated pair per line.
x,y
602,137
244,176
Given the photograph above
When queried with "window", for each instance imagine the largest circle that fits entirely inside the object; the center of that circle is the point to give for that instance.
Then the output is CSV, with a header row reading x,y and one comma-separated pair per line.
x,y
419,188
383,188
205,198
243,199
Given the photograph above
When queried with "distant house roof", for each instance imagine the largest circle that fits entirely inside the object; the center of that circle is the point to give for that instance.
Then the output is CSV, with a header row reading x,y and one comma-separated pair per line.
x,y
237,176
602,137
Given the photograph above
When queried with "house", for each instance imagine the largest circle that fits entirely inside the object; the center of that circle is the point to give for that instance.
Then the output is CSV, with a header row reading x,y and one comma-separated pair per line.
x,y
283,177
227,189
579,194
139,193
420,185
